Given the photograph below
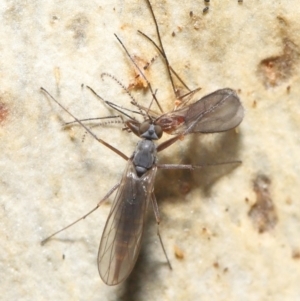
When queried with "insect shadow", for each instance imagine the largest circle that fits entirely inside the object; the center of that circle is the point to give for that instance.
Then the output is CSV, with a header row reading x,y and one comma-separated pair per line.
x,y
122,235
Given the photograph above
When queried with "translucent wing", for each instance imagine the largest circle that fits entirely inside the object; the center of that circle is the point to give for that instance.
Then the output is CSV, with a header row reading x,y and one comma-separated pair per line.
x,y
121,239
216,112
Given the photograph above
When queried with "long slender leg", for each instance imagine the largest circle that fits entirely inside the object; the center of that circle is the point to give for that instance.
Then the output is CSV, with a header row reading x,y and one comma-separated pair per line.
x,y
167,63
86,128
143,75
162,47
116,107
192,167
83,217
157,217
93,119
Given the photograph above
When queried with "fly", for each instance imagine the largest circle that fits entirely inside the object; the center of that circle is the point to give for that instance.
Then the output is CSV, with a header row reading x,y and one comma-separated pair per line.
x,y
121,239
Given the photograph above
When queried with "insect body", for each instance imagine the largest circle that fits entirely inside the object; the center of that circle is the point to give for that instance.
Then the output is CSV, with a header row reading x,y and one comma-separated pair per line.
x,y
121,239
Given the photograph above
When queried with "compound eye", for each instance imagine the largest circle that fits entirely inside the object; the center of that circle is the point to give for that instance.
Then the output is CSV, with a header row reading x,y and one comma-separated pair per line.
x,y
158,131
144,127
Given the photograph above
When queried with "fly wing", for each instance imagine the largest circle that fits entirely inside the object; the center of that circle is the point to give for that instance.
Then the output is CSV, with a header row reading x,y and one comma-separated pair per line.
x,y
216,112
121,239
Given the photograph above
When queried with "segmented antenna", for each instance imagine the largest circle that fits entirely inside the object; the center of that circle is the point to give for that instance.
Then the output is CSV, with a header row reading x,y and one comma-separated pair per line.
x,y
133,101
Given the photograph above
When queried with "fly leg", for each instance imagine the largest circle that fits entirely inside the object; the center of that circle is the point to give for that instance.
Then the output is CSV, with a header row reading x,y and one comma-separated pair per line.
x,y
83,217
157,217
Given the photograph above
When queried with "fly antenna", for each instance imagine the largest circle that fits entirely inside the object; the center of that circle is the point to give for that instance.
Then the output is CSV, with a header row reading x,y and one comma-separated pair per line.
x,y
133,101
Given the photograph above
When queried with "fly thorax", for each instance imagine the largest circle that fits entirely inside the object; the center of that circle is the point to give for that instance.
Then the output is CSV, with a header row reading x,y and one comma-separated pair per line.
x,y
144,156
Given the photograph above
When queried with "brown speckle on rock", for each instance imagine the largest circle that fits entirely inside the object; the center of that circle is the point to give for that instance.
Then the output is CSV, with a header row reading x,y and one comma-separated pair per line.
x,y
139,82
263,213
79,26
178,252
3,112
277,69
296,255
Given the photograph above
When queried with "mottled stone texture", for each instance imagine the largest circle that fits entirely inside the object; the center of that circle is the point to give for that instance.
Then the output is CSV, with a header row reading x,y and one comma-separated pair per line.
x,y
231,232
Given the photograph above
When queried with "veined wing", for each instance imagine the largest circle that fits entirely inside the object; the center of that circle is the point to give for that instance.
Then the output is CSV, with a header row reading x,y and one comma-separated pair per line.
x,y
121,239
216,112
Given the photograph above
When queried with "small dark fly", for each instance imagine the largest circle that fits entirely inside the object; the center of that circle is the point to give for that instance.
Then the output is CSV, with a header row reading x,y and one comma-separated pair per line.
x,y
122,235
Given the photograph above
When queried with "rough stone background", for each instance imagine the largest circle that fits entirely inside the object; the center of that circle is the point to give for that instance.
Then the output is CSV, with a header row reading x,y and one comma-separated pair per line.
x,y
232,233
